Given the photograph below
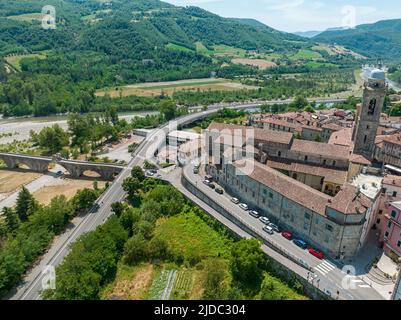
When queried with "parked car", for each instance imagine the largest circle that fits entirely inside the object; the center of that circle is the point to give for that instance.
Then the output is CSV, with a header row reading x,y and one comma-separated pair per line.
x,y
275,227
318,254
287,234
196,170
300,243
206,182
234,200
243,206
219,190
150,173
268,229
210,178
254,213
264,220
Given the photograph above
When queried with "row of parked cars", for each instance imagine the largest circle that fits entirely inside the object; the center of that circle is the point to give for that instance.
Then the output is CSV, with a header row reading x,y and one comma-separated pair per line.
x,y
209,182
270,227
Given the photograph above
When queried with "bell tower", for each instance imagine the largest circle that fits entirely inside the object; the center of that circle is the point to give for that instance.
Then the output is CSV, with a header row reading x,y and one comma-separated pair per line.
x,y
368,114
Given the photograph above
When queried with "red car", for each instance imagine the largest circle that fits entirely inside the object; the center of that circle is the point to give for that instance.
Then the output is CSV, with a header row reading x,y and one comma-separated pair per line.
x,y
316,253
287,235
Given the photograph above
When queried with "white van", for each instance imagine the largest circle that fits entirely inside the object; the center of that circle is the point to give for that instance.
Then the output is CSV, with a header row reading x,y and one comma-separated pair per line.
x,y
268,229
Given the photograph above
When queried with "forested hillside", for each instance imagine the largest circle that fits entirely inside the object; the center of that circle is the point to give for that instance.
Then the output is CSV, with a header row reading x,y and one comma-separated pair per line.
x,y
98,44
381,39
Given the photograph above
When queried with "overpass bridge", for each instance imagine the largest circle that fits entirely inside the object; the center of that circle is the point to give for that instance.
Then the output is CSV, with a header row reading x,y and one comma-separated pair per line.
x,y
75,168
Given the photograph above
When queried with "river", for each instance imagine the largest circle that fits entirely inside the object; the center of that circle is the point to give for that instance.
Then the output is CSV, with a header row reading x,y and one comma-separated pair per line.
x,y
19,128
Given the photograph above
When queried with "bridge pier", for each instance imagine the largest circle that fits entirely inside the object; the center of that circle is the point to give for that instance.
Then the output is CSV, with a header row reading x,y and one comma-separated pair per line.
x,y
39,166
10,163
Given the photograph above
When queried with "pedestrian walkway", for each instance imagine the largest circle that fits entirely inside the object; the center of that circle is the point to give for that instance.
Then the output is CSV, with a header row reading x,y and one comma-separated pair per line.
x,y
325,267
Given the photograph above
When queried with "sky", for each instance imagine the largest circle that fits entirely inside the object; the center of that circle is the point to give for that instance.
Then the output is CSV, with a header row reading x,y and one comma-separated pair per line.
x,y
302,15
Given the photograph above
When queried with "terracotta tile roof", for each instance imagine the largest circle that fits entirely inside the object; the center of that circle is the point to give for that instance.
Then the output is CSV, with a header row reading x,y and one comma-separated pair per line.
x,y
323,149
350,201
393,139
332,126
281,123
360,159
329,175
342,137
288,187
392,180
259,134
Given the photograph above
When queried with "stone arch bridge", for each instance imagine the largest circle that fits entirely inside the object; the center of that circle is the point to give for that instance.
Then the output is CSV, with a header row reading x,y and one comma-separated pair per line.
x,y
75,168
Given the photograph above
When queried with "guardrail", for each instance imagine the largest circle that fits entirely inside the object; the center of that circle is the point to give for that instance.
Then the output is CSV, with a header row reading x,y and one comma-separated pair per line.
x,y
237,220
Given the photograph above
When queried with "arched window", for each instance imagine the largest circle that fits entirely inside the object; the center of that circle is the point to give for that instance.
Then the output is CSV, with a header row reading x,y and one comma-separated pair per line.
x,y
372,106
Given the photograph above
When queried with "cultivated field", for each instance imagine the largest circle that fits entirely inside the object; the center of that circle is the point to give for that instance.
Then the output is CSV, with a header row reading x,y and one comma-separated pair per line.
x,y
168,88
259,63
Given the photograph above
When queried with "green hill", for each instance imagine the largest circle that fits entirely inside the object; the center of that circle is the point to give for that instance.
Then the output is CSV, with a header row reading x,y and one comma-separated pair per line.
x,y
381,39
147,22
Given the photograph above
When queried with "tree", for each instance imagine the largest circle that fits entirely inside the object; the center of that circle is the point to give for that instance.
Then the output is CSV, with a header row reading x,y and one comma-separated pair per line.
x,y
25,204
135,250
132,186
95,185
144,228
299,103
274,289
309,108
168,109
247,262
53,138
215,281
117,208
138,173
157,249
11,219
84,199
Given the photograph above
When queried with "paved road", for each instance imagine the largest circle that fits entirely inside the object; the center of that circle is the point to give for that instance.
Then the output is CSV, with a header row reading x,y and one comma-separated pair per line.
x,y
325,272
32,283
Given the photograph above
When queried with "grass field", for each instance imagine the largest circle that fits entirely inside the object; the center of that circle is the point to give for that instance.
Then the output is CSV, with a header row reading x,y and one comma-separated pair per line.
x,y
189,237
15,61
200,48
168,88
176,47
305,54
27,17
131,283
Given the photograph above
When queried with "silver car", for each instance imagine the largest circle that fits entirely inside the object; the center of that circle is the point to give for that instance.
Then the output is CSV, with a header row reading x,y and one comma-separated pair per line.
x,y
234,200
264,220
243,206
254,213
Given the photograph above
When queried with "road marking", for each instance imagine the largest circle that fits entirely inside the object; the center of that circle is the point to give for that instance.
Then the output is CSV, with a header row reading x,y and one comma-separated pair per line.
x,y
325,267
